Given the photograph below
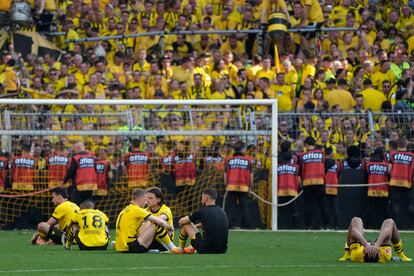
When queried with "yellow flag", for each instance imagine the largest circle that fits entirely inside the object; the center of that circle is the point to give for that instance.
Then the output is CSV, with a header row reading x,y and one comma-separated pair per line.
x,y
37,94
277,62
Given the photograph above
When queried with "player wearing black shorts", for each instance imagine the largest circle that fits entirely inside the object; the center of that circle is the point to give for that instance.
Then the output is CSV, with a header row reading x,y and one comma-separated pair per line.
x,y
213,223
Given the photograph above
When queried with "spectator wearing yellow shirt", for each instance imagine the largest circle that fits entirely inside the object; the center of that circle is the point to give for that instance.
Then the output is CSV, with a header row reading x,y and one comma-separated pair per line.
x,y
11,78
182,47
373,99
384,73
338,13
219,69
198,90
232,45
312,16
222,21
184,72
94,87
217,90
157,85
266,72
341,96
284,93
256,67
69,28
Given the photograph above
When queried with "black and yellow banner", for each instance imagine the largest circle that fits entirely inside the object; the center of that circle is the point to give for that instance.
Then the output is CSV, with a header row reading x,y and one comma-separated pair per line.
x,y
31,42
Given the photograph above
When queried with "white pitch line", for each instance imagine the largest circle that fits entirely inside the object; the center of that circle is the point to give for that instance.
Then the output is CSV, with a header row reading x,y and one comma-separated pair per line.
x,y
410,266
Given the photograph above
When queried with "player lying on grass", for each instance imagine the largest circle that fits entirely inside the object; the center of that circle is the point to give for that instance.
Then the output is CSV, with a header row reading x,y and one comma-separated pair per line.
x,y
89,228
358,249
136,228
51,231
156,207
214,224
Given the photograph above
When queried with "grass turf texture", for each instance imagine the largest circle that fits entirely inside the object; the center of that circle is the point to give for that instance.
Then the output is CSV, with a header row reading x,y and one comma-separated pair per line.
x,y
250,253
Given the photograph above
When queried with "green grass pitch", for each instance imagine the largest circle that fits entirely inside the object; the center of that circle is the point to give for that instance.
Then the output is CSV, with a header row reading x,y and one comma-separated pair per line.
x,y
250,253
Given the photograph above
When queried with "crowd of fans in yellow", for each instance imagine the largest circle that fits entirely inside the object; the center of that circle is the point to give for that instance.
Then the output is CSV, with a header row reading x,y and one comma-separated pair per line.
x,y
338,71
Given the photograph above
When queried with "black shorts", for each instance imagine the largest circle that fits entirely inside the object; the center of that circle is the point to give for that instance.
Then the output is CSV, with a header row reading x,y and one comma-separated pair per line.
x,y
312,34
136,247
157,245
85,247
198,242
55,234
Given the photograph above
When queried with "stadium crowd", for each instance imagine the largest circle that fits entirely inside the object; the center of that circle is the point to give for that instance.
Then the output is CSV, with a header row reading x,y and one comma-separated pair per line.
x,y
337,76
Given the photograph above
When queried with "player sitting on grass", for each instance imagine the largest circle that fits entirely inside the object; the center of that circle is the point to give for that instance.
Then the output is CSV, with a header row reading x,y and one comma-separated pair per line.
x,y
89,228
214,223
51,231
358,249
156,207
136,228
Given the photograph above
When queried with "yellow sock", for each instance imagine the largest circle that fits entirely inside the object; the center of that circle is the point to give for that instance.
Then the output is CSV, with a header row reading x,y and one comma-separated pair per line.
x,y
398,247
182,240
162,236
347,253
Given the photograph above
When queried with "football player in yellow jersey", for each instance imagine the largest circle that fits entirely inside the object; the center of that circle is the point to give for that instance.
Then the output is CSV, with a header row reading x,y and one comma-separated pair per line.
x,y
89,228
136,228
358,249
157,207
52,230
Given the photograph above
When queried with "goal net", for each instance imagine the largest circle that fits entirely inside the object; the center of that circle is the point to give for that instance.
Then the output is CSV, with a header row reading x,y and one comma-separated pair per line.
x,y
185,143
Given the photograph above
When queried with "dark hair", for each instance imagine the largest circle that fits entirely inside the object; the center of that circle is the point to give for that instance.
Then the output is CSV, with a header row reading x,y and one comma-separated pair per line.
x,y
310,141
285,146
137,193
393,145
238,146
370,259
136,143
353,151
378,155
211,193
61,191
158,194
87,204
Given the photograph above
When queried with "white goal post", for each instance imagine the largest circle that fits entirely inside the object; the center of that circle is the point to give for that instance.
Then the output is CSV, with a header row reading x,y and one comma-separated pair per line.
x,y
273,131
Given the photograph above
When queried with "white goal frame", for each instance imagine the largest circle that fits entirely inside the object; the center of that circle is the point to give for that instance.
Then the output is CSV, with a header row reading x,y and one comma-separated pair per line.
x,y
268,102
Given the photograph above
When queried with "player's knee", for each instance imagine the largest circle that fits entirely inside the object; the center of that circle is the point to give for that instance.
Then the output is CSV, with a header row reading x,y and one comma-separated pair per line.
x,y
356,220
389,221
43,227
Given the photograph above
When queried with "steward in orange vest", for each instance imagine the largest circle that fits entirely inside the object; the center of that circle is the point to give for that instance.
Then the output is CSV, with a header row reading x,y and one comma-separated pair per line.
x,y
238,178
288,186
82,171
331,180
24,169
401,180
138,165
312,172
378,204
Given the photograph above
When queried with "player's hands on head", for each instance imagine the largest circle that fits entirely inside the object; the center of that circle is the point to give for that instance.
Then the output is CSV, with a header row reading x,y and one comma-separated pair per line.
x,y
372,250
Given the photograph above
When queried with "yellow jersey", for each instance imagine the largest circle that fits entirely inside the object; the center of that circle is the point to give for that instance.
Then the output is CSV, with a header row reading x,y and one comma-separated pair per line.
x,y
92,227
358,254
128,225
164,210
64,214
